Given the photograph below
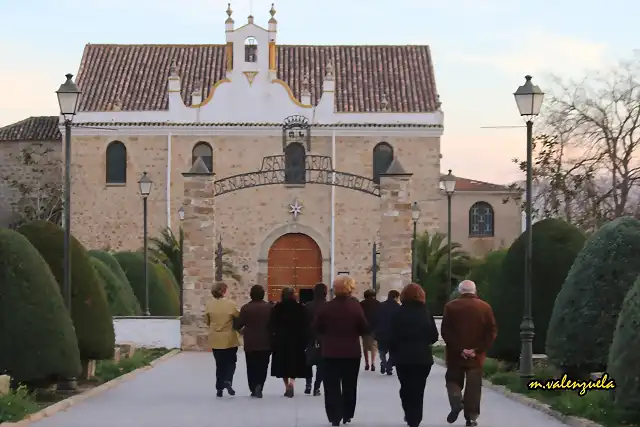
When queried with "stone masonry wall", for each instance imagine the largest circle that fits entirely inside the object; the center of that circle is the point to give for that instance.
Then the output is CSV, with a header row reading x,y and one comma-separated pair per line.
x,y
199,258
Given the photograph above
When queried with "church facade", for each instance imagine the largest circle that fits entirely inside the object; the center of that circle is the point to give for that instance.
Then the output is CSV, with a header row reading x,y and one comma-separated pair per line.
x,y
298,139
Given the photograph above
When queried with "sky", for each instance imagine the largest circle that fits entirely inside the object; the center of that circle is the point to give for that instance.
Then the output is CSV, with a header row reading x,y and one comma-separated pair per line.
x,y
482,49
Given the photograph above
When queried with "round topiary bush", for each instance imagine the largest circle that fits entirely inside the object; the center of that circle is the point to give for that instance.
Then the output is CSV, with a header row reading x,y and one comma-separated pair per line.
x,y
623,357
586,309
122,301
112,263
161,302
89,307
555,246
485,273
37,342
171,286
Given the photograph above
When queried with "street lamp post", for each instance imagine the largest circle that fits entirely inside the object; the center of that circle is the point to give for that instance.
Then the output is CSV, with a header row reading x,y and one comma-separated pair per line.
x,y
415,215
181,243
145,184
68,98
449,184
529,100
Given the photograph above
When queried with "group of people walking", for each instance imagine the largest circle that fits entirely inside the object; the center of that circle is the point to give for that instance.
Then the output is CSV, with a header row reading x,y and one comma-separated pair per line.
x,y
332,335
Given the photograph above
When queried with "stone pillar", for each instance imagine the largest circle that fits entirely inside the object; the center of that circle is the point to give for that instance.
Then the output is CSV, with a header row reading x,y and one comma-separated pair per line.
x,y
198,254
395,229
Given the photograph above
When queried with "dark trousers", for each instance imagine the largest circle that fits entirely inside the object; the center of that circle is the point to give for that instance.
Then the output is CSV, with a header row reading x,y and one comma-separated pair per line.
x,y
340,388
385,357
319,376
455,378
413,380
226,359
257,367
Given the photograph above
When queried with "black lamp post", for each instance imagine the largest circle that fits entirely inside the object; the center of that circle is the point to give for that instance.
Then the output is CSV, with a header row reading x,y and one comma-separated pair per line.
x,y
415,215
145,184
68,98
181,243
449,185
529,100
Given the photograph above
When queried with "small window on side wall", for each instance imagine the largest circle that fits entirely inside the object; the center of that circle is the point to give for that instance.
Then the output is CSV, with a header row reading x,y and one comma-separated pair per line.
x,y
382,158
251,50
116,163
205,152
481,220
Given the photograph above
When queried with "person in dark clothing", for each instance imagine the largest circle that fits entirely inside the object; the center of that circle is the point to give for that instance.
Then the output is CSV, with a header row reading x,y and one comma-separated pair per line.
x,y
339,324
314,353
369,346
385,313
290,330
413,332
253,322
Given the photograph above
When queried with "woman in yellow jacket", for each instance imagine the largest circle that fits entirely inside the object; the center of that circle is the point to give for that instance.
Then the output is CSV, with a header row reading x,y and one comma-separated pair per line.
x,y
223,339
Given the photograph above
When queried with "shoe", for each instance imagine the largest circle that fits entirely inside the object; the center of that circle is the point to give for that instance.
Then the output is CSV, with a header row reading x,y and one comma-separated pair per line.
x,y
307,389
455,412
382,370
335,423
219,393
258,392
289,393
316,392
373,368
366,367
230,390
471,423
346,421
390,372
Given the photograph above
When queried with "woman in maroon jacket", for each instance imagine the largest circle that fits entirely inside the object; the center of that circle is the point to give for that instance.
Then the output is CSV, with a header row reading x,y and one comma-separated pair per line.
x,y
339,324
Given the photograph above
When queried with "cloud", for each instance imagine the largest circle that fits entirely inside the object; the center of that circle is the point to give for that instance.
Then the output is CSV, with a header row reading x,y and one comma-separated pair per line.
x,y
542,52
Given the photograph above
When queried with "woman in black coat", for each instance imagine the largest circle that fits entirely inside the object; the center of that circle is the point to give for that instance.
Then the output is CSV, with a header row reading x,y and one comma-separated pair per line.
x,y
413,332
290,330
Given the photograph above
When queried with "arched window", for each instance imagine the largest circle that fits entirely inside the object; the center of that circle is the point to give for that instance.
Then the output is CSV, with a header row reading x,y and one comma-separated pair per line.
x,y
205,152
481,220
382,158
116,163
294,170
251,50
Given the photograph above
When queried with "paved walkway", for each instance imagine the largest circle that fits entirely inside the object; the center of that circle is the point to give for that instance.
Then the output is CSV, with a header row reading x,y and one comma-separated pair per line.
x,y
179,393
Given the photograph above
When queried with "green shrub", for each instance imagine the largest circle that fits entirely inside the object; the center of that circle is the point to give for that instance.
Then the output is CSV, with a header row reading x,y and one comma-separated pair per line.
x,y
586,309
484,273
555,246
17,404
165,275
37,342
122,301
160,300
623,356
89,307
112,263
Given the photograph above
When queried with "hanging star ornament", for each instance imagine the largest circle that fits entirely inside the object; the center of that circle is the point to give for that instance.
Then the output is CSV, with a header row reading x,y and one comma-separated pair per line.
x,y
295,209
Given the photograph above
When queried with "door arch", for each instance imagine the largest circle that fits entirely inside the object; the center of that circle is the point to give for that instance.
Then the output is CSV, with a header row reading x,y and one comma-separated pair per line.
x,y
294,260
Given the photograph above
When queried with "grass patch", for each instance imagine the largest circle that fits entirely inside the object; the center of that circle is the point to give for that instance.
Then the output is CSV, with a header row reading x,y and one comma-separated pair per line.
x,y
21,402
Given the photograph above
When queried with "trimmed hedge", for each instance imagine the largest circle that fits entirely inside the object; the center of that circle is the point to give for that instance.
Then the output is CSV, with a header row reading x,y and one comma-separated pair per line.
x,y
555,246
161,302
122,301
112,263
485,273
89,307
37,341
165,275
586,309
623,357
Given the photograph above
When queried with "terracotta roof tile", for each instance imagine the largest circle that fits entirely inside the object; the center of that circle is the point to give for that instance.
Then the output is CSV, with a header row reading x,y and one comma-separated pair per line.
x,y
41,128
138,74
251,124
466,184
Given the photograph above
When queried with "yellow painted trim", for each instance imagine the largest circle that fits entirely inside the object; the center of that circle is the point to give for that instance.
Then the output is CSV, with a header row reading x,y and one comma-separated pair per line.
x,y
174,91
174,78
250,75
229,56
213,90
272,56
290,92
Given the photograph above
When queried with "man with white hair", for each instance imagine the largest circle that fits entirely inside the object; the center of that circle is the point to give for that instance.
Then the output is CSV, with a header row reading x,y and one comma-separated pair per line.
x,y
469,330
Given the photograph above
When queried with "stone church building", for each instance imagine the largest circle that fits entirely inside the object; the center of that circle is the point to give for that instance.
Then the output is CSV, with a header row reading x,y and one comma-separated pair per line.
x,y
277,125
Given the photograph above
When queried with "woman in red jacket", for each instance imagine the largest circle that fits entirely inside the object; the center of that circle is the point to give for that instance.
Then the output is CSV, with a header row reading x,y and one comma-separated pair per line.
x,y
339,325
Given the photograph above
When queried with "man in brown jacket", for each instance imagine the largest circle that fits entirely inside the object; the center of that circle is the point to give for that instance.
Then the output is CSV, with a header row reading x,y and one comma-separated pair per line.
x,y
468,329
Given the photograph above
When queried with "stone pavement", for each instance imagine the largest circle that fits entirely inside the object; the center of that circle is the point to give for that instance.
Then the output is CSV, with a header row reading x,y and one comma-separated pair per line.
x,y
179,393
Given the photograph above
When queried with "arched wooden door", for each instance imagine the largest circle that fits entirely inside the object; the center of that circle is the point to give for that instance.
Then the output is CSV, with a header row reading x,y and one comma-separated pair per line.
x,y
294,260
